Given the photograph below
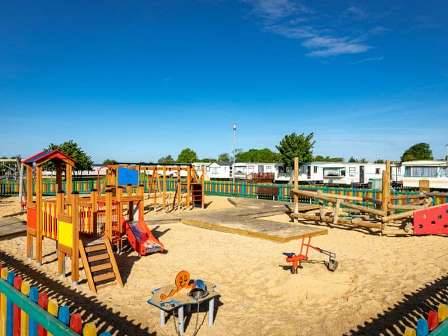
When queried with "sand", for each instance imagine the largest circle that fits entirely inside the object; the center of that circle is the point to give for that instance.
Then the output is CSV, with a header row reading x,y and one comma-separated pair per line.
x,y
260,297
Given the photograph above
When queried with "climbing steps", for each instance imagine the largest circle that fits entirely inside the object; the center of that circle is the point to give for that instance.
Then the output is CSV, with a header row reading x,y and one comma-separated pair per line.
x,y
99,263
197,195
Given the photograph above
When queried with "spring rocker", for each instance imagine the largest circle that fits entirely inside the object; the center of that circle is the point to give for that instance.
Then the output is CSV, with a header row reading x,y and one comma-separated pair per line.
x,y
89,227
296,260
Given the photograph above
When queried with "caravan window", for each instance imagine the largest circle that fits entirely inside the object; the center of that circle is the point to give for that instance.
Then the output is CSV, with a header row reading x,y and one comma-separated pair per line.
x,y
377,171
352,171
420,171
315,169
334,172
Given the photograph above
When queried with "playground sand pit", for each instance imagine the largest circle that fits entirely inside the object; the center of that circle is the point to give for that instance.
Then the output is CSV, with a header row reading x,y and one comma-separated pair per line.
x,y
260,297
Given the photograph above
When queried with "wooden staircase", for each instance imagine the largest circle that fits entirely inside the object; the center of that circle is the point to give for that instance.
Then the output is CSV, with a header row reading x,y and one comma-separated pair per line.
x,y
99,263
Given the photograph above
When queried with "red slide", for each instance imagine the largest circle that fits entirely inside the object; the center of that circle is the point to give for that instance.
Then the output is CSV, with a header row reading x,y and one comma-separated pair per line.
x,y
141,238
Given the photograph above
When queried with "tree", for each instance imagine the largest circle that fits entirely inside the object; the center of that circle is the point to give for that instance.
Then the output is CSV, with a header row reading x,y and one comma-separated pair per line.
x,y
187,155
296,145
353,160
379,161
224,158
420,151
166,159
206,160
258,155
109,162
75,152
327,158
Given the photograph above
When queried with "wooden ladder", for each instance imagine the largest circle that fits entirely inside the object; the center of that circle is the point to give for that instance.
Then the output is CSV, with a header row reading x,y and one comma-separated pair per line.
x,y
99,263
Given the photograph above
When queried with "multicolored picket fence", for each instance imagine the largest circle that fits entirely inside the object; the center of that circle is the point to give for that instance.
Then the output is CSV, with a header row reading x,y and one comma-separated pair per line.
x,y
436,324
279,192
24,311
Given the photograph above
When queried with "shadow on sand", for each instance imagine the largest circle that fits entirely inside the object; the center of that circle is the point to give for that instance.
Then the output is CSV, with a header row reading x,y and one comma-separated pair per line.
x,y
90,308
406,312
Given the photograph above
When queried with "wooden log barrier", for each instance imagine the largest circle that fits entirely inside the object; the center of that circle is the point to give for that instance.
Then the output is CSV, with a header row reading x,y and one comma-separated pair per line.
x,y
326,196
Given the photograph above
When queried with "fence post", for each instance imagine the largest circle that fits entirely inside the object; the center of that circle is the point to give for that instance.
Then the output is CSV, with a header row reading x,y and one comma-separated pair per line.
x,y
75,247
296,185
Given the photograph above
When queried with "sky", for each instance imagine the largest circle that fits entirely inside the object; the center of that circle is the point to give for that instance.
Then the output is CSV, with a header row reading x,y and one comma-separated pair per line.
x,y
136,80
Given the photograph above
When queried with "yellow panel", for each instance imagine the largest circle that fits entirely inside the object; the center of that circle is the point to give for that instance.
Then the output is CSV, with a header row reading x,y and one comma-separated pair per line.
x,y
65,233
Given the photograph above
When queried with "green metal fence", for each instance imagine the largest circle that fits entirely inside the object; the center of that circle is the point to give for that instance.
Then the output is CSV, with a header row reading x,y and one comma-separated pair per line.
x,y
279,192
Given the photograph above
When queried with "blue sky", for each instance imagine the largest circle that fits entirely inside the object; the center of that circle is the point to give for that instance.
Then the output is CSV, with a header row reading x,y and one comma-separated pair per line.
x,y
135,80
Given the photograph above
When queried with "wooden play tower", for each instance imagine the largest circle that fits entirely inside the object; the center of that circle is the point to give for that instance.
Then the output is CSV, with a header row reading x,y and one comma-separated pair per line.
x,y
88,227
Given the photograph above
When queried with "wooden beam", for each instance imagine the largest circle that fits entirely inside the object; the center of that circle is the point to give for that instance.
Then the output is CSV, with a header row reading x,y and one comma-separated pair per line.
x,y
363,209
341,221
400,215
405,207
385,192
326,196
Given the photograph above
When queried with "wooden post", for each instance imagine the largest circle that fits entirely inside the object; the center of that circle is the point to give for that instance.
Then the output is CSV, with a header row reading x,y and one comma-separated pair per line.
x,y
108,228
20,167
188,200
423,186
202,187
131,203
59,204
179,188
296,184
68,179
154,185
336,211
75,247
385,193
58,178
39,214
94,201
164,187
29,186
141,204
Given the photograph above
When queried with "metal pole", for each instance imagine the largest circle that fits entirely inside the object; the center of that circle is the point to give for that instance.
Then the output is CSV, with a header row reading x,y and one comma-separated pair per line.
x,y
233,151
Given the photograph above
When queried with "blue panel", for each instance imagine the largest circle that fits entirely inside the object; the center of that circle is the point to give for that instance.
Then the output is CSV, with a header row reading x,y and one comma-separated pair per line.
x,y
127,176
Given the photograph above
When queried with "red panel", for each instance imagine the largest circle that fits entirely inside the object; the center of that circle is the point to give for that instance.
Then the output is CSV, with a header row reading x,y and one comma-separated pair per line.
x,y
433,220
31,218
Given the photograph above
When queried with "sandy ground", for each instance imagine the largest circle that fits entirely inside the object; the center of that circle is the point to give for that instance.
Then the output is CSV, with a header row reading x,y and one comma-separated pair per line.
x,y
260,297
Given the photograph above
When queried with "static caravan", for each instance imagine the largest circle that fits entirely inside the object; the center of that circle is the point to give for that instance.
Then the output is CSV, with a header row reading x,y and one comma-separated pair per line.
x,y
244,170
436,172
216,171
340,173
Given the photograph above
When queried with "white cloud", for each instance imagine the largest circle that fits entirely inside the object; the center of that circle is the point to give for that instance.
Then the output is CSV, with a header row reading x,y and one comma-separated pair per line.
x,y
295,21
330,46
272,9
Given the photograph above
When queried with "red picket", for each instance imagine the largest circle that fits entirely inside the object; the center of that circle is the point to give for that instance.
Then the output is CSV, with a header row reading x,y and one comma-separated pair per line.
x,y
433,320
76,323
16,309
43,303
